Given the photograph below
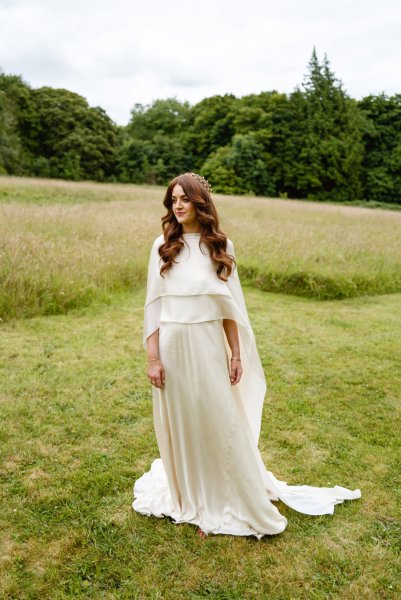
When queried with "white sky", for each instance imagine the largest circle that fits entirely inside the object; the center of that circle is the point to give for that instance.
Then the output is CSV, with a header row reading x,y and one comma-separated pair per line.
x,y
119,52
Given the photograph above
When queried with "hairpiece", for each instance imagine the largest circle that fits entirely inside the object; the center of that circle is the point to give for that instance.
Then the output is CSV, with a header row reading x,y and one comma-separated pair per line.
x,y
202,180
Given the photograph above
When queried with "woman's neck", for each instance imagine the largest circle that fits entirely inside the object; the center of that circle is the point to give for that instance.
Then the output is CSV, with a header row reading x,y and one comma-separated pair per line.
x,y
193,229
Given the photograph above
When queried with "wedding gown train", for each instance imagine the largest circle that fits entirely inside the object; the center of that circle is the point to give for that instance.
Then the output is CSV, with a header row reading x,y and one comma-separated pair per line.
x,y
210,472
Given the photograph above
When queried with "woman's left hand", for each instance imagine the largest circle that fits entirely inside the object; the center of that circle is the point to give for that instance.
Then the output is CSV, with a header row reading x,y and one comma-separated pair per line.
x,y
236,371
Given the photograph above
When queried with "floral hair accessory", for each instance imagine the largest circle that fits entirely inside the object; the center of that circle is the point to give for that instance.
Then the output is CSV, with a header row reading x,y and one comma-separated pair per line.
x,y
202,180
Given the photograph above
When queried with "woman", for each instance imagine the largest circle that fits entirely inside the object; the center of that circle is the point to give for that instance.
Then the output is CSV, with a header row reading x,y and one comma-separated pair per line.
x,y
208,384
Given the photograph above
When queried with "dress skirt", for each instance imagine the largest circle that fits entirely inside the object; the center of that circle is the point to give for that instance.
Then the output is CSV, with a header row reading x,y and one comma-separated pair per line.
x,y
207,474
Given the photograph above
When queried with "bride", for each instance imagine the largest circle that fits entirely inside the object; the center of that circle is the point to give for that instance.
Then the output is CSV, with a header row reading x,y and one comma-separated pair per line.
x,y
208,384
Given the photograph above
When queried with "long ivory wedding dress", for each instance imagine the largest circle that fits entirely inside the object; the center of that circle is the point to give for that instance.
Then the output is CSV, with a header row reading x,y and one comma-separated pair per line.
x,y
210,471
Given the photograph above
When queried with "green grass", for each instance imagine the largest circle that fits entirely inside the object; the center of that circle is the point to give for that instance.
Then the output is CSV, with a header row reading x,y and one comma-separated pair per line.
x,y
76,410
64,244
77,430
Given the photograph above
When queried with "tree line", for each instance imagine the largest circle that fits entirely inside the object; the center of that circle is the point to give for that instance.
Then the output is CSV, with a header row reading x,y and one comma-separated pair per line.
x,y
315,143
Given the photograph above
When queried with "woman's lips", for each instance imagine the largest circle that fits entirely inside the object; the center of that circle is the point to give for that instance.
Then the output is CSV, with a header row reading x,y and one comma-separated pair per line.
x,y
180,214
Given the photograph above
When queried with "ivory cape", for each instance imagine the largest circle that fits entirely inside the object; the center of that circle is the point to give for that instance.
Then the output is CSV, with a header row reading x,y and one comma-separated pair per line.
x,y
191,293
211,298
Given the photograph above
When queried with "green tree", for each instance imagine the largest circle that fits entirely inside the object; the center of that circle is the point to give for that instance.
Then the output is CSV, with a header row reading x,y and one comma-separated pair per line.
x,y
167,117
210,126
326,135
69,139
133,158
10,143
265,115
381,177
238,168
153,145
15,114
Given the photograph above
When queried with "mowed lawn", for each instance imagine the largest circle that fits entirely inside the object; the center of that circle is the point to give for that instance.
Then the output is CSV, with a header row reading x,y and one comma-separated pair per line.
x,y
77,426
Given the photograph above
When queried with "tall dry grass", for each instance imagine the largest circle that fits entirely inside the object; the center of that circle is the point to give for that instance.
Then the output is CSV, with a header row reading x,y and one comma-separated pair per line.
x,y
64,244
313,249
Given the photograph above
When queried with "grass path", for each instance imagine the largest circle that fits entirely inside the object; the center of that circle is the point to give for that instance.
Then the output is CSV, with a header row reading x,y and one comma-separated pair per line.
x,y
78,430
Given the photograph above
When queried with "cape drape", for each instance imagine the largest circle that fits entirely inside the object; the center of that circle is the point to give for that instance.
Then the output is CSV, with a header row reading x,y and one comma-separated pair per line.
x,y
212,298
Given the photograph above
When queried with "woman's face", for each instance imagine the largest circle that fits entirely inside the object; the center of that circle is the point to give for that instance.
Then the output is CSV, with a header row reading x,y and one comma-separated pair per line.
x,y
183,209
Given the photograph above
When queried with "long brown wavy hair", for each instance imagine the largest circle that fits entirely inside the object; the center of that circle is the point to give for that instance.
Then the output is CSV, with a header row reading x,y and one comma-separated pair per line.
x,y
197,190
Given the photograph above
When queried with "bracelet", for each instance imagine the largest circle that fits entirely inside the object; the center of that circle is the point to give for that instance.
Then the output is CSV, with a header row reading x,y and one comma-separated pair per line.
x,y
152,359
236,358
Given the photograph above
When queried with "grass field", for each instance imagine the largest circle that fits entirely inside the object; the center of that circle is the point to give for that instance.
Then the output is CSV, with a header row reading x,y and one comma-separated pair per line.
x,y
64,244
76,413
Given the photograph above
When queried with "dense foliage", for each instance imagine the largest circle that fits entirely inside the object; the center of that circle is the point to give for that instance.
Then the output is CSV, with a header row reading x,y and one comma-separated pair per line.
x,y
315,143
54,133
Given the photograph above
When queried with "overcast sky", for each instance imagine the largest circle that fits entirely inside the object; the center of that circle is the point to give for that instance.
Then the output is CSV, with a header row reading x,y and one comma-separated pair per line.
x,y
119,52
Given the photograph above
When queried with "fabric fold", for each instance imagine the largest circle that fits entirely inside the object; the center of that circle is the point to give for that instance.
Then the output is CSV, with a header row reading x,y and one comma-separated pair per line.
x,y
193,277
225,488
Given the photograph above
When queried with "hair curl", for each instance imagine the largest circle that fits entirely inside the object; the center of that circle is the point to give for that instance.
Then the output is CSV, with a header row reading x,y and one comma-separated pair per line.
x,y
197,190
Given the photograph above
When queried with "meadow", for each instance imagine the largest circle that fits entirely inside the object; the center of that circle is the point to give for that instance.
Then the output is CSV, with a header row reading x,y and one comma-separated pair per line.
x,y
76,412
65,244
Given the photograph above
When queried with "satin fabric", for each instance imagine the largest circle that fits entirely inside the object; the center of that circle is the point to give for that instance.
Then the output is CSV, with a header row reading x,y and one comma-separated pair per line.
x,y
193,282
210,471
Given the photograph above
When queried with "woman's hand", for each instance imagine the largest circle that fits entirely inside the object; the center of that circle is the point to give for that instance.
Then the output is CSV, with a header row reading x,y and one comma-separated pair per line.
x,y
231,331
236,371
156,373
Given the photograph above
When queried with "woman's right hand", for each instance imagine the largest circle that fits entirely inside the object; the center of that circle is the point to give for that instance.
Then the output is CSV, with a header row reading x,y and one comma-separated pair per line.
x,y
156,374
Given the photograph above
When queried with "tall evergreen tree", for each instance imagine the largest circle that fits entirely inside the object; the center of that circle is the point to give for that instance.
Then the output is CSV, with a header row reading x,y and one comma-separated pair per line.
x,y
326,136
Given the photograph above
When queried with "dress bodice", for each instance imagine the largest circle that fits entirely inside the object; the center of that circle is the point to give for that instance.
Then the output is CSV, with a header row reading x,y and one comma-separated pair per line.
x,y
192,273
